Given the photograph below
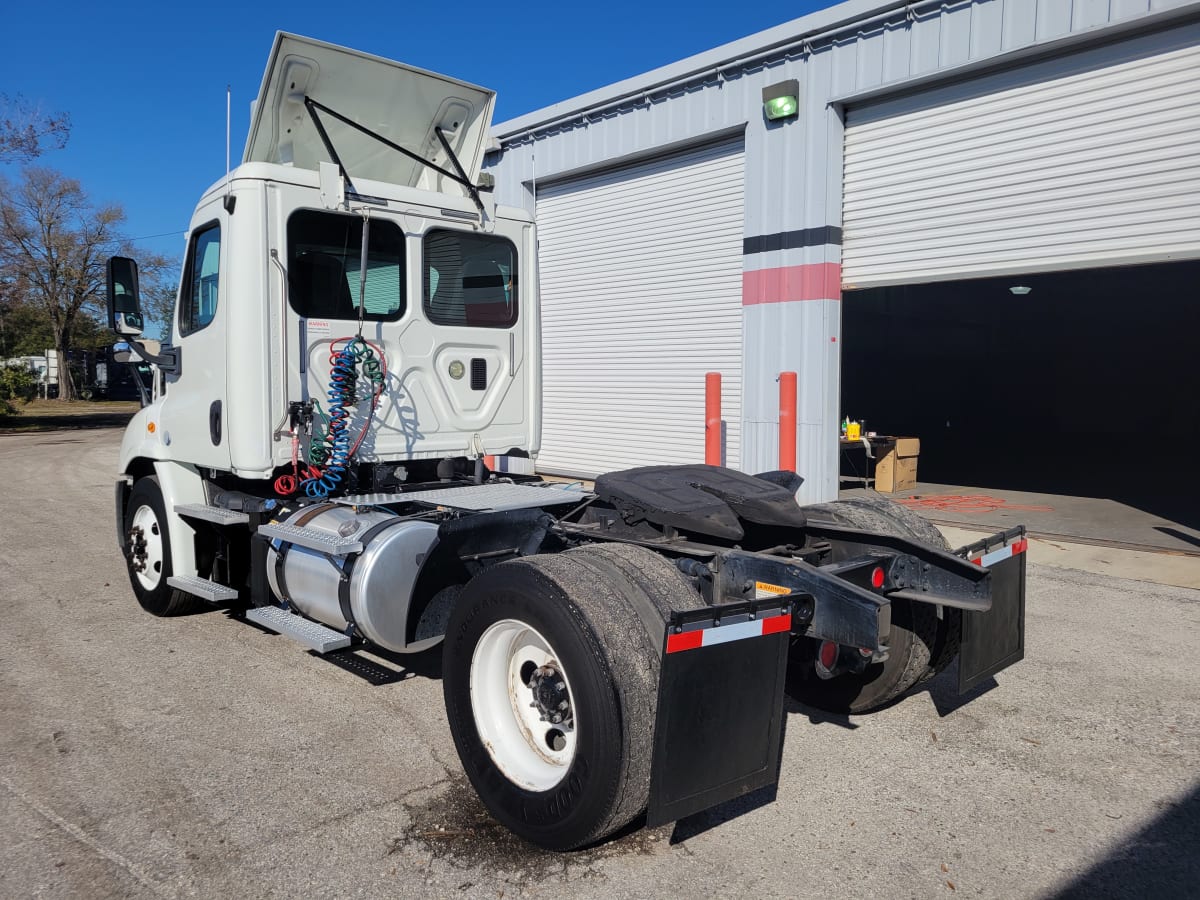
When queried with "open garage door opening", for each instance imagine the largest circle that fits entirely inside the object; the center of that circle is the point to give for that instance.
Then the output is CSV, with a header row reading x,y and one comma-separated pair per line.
x,y
1082,382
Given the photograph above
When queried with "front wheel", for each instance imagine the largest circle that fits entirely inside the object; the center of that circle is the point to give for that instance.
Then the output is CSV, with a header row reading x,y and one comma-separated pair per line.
x,y
148,552
550,680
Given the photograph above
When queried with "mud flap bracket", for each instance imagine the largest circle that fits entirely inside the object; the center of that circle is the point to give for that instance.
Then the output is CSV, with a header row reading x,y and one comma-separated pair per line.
x,y
719,728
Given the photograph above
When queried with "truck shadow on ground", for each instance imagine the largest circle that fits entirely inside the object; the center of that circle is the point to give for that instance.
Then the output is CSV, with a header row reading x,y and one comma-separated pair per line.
x,y
1160,860
378,667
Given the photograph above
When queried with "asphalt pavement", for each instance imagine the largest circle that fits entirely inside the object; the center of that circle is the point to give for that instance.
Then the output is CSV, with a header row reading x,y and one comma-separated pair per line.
x,y
202,757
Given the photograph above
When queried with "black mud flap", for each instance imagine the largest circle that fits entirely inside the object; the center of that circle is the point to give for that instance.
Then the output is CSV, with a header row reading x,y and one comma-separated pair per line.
x,y
719,726
994,639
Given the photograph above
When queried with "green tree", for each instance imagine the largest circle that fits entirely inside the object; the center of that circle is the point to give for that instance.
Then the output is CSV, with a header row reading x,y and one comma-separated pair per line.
x,y
54,243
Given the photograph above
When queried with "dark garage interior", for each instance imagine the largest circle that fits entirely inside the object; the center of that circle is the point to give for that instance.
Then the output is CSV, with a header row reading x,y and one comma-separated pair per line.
x,y
1086,384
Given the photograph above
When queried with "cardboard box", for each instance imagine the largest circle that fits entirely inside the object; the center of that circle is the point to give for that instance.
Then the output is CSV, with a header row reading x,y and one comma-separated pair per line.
x,y
896,470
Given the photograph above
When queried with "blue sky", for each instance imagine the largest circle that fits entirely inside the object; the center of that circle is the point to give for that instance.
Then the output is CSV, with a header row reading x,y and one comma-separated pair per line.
x,y
144,83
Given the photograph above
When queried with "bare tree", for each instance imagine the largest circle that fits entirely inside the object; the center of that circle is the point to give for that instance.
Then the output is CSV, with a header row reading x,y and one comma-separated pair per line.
x,y
27,131
54,241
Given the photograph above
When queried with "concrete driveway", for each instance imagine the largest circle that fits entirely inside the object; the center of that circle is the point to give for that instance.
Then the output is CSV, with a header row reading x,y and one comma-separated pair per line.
x,y
202,757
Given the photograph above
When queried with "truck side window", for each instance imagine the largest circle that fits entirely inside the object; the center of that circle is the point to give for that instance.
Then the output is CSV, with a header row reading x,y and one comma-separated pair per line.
x,y
198,298
324,256
470,279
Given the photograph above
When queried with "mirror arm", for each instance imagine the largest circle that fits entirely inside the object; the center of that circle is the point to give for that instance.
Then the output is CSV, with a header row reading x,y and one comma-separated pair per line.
x,y
169,360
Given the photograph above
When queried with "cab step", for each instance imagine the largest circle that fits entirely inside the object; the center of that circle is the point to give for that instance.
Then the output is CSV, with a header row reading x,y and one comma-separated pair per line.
x,y
312,539
202,587
311,634
216,514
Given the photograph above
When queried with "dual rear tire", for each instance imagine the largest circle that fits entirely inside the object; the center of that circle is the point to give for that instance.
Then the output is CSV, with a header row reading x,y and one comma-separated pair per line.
x,y
923,641
550,677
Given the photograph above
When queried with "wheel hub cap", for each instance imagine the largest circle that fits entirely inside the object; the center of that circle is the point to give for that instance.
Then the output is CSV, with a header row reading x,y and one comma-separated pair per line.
x,y
521,704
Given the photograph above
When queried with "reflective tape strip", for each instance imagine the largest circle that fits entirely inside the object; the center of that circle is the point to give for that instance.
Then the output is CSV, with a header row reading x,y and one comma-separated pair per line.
x,y
990,559
720,634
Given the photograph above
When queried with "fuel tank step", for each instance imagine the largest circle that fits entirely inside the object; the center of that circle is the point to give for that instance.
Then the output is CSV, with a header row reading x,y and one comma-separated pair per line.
x,y
305,631
211,513
312,539
202,587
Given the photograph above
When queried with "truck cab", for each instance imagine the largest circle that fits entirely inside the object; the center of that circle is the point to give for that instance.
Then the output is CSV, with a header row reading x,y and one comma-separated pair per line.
x,y
276,272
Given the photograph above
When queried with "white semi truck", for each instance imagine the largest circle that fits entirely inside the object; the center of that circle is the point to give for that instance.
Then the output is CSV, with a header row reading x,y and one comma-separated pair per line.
x,y
356,329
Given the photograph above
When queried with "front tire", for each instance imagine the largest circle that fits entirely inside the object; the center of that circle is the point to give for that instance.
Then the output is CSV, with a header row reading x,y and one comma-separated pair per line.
x,y
148,552
564,634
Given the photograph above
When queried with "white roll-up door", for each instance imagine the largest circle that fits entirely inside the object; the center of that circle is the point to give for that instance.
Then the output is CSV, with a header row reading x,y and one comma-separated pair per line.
x,y
641,292
1081,161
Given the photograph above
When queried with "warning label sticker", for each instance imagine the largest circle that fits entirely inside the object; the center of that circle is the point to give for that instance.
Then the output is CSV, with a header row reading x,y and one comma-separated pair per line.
x,y
319,328
764,591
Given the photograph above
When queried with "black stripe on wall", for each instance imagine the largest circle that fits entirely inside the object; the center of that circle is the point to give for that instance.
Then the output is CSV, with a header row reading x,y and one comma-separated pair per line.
x,y
792,240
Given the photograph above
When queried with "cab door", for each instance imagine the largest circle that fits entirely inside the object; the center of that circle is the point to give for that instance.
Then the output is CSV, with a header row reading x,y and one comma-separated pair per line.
x,y
194,413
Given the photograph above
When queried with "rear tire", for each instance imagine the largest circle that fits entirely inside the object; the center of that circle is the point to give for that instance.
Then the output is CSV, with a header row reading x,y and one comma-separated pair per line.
x,y
148,552
575,615
918,637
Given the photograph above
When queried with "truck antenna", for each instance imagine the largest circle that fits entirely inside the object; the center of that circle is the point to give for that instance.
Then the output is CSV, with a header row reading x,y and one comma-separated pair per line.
x,y
227,95
229,200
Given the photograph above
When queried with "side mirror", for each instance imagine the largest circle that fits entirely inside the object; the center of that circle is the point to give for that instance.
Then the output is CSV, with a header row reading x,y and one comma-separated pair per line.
x,y
124,304
122,353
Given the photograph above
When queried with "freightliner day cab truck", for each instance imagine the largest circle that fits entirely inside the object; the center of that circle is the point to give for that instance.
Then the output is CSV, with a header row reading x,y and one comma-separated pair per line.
x,y
356,329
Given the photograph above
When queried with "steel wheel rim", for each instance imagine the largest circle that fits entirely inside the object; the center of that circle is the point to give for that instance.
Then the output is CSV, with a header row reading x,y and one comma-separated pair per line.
x,y
145,526
509,723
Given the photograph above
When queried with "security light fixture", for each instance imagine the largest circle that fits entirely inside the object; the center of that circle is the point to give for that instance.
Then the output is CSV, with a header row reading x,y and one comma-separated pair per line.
x,y
782,100
1020,290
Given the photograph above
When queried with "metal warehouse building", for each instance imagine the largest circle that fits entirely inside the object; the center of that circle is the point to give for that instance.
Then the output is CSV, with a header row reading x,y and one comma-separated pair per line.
x,y
981,228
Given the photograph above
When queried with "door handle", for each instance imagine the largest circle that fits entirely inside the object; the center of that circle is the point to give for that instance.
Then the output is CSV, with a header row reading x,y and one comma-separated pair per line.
x,y
214,423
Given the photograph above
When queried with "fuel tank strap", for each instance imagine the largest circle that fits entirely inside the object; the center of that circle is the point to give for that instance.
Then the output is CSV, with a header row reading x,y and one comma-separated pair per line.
x,y
302,519
344,580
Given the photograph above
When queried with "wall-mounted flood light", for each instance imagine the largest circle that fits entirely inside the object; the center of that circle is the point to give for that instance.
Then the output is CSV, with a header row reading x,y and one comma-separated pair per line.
x,y
1020,290
782,101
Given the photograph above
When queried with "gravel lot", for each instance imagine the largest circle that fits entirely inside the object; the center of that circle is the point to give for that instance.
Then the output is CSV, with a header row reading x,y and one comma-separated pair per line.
x,y
202,757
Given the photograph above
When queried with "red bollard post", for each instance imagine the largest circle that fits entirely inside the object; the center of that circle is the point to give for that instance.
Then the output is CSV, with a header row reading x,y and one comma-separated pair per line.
x,y
787,421
712,418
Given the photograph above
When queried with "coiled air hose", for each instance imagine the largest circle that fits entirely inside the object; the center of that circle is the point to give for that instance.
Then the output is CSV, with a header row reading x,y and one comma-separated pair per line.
x,y
354,360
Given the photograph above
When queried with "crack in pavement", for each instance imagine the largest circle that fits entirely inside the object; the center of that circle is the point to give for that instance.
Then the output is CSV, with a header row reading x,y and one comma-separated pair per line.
x,y
84,838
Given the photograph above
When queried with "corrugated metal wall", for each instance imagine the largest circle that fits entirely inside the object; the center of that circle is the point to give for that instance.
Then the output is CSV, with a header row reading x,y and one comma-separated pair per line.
x,y
1073,162
793,170
641,296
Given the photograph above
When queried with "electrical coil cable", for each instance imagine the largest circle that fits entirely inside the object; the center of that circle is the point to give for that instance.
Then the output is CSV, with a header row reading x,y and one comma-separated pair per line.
x,y
356,359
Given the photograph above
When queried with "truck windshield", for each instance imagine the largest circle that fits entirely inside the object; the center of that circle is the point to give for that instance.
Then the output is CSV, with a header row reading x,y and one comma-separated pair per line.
x,y
470,279
324,254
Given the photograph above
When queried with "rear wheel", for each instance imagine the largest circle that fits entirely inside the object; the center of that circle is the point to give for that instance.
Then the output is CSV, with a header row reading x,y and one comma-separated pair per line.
x,y
550,681
918,639
148,552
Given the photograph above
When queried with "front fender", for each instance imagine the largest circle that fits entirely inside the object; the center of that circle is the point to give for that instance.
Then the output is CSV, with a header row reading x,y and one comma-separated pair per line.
x,y
143,439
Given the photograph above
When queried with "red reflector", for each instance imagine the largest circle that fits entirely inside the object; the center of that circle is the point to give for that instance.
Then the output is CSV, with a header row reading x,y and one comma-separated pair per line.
x,y
685,640
829,654
1020,546
877,577
776,624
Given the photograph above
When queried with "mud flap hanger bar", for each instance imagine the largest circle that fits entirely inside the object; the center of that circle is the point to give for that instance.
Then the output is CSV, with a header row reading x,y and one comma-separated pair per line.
x,y
718,730
459,176
845,613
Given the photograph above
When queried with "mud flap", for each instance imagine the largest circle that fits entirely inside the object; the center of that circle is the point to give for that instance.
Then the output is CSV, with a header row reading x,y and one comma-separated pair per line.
x,y
994,639
718,731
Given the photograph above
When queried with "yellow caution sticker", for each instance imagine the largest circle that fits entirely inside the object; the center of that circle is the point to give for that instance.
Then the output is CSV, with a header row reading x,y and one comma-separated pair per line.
x,y
764,591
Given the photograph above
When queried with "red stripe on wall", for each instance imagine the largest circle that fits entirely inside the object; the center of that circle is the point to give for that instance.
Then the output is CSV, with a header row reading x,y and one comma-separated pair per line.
x,y
818,281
